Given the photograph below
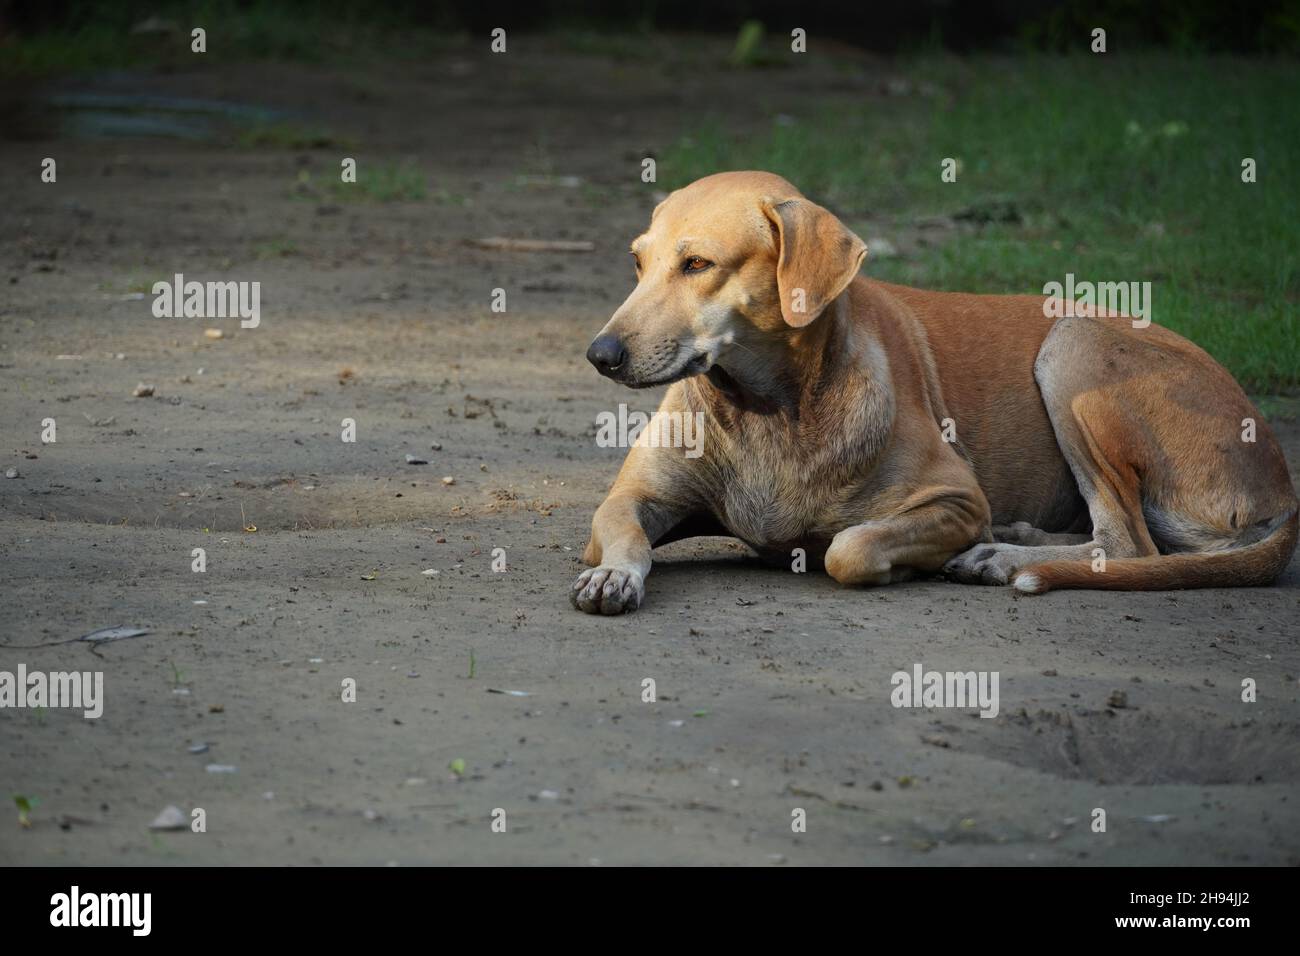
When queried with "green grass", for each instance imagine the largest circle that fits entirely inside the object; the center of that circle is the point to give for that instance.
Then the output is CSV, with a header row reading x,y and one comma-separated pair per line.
x,y
140,281
277,248
383,182
1117,169
295,136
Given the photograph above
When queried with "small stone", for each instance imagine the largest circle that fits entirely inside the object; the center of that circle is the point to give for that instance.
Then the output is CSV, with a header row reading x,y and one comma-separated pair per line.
x,y
171,818
143,391
214,333
448,480
415,460
436,446
1118,699
11,472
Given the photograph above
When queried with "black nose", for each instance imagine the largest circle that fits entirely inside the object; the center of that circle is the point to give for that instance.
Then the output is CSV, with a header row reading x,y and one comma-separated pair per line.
x,y
607,354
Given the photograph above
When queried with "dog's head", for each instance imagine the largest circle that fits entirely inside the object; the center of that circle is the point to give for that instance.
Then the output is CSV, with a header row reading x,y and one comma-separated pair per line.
x,y
726,261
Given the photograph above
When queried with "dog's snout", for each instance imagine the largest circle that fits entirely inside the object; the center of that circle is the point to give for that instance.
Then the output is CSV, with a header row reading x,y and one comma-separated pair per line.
x,y
607,354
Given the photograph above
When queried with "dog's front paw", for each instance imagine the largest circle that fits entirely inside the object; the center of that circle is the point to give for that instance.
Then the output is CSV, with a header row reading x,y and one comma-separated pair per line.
x,y
607,591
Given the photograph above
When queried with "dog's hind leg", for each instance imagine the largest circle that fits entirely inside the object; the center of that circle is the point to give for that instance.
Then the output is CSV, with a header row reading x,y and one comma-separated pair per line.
x,y
1022,532
1110,486
1151,428
1017,545
1096,433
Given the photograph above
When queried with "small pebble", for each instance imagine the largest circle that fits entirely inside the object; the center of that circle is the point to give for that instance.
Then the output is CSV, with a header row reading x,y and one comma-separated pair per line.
x,y
171,818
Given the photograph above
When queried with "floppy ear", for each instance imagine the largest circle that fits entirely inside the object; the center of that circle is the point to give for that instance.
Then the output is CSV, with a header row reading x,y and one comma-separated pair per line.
x,y
817,258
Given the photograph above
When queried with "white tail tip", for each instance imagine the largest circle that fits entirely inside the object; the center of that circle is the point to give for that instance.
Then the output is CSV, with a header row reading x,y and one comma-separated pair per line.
x,y
1028,583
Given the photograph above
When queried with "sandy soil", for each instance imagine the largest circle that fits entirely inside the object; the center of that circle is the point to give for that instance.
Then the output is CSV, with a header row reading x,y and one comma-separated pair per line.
x,y
773,689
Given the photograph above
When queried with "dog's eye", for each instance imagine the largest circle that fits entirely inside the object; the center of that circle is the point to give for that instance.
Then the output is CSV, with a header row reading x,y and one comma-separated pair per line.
x,y
695,264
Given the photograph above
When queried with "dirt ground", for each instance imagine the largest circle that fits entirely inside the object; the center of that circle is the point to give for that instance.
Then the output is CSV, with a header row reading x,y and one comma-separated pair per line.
x,y
773,690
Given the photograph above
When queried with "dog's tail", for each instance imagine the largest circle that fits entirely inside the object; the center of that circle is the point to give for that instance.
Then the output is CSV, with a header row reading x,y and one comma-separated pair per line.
x,y
1255,564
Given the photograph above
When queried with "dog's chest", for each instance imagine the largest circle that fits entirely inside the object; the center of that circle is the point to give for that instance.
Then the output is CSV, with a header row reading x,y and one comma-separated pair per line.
x,y
771,504
781,482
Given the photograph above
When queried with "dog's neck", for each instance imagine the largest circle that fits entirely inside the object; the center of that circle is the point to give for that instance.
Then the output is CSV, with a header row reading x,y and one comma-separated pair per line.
x,y
822,393
778,374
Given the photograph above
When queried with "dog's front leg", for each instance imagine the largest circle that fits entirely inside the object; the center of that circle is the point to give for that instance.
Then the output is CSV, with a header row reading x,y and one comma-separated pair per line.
x,y
623,532
931,527
656,490
619,551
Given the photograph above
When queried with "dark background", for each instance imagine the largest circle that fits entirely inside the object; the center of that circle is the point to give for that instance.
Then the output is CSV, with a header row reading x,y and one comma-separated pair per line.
x,y
1185,25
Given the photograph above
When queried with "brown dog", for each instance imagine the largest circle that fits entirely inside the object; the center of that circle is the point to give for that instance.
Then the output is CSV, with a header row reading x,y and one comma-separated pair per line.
x,y
890,431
